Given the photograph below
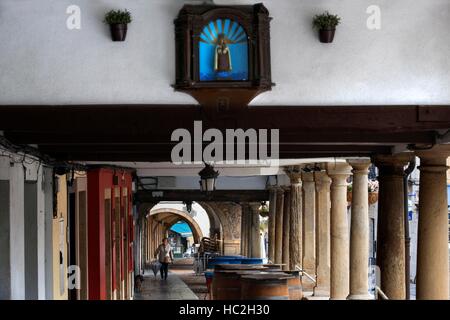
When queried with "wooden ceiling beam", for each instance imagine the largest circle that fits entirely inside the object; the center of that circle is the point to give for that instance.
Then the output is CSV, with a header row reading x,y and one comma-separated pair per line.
x,y
140,119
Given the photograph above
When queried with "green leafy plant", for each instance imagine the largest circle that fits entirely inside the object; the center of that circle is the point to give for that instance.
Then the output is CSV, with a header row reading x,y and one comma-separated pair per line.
x,y
118,17
326,21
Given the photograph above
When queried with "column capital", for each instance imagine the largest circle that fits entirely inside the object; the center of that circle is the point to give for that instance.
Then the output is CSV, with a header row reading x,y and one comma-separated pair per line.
x,y
435,158
323,181
360,165
254,206
335,169
280,190
307,176
308,181
393,164
245,207
294,173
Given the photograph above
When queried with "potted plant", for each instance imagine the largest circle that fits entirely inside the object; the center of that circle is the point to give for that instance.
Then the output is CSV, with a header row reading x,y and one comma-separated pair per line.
x,y
372,187
118,21
326,24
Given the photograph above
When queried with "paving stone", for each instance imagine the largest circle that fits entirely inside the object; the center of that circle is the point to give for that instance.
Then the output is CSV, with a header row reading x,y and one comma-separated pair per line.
x,y
153,288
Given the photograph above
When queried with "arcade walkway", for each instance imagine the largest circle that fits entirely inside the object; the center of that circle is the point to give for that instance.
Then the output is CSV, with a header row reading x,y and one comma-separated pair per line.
x,y
153,288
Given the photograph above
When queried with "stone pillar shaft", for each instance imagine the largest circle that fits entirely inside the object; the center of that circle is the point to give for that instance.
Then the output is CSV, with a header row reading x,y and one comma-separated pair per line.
x,y
323,183
249,230
272,215
391,227
339,282
432,244
255,231
309,212
295,218
279,227
286,228
244,231
359,231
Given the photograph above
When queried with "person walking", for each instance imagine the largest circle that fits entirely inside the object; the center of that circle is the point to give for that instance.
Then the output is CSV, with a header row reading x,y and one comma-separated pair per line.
x,y
164,254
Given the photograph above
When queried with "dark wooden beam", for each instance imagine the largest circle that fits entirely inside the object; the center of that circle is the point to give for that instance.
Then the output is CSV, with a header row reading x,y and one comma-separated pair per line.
x,y
154,196
286,137
148,119
434,113
143,152
154,149
143,132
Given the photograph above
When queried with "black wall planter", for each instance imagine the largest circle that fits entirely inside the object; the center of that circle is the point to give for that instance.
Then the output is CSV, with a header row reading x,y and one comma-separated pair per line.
x,y
118,31
326,36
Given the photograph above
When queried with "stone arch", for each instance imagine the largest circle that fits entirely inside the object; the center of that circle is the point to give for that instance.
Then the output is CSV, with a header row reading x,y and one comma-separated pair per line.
x,y
171,216
229,214
216,224
224,220
216,219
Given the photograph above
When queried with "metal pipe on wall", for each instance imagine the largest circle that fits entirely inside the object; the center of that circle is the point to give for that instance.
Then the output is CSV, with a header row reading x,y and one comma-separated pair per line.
x,y
408,171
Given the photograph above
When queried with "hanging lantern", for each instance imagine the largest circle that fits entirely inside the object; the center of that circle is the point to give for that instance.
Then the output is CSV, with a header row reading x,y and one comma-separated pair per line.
x,y
208,178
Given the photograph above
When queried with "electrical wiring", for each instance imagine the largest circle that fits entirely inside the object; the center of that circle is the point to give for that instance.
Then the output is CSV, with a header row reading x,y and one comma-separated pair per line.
x,y
27,155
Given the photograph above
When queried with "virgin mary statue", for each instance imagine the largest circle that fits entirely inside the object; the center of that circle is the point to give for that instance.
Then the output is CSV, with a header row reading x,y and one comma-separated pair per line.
x,y
222,57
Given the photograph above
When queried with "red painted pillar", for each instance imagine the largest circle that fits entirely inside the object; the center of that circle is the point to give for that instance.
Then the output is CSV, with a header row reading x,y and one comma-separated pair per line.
x,y
131,224
98,181
96,235
130,230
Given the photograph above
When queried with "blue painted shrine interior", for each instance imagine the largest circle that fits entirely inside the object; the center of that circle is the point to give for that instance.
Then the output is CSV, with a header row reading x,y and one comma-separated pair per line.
x,y
237,41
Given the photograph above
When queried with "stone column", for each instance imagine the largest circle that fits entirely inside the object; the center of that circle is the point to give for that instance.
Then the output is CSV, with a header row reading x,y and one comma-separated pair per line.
x,y
309,212
286,227
432,244
272,215
359,232
323,182
279,227
248,230
339,276
244,231
12,231
295,221
391,228
255,231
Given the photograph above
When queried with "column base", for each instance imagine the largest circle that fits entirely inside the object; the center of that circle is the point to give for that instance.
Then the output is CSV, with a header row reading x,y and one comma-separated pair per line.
x,y
337,299
321,292
307,285
317,298
363,296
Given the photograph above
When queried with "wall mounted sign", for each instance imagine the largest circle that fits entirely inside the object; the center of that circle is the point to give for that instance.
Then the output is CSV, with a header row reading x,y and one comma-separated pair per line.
x,y
223,54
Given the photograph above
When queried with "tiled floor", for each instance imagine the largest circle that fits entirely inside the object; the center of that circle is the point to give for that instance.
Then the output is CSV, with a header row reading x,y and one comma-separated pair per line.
x,y
195,282
153,288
